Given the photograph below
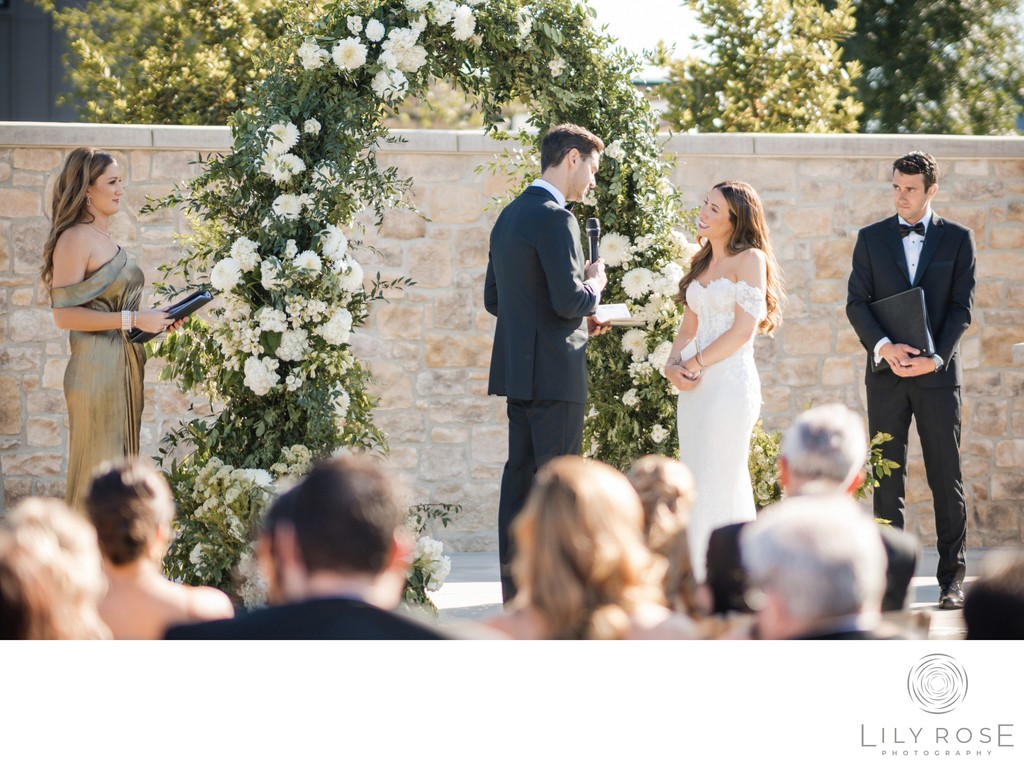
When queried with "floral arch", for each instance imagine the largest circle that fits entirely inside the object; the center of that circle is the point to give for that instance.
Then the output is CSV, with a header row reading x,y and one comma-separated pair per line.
x,y
276,234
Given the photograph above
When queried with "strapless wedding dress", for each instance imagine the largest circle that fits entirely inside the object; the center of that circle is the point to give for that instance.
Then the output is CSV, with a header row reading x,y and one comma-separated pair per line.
x,y
717,417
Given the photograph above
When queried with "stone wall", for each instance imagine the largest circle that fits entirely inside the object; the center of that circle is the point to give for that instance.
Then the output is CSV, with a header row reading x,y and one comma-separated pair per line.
x,y
430,345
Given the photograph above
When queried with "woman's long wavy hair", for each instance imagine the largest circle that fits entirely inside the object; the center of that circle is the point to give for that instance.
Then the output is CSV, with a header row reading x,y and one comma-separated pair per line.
x,y
749,230
667,492
582,564
68,201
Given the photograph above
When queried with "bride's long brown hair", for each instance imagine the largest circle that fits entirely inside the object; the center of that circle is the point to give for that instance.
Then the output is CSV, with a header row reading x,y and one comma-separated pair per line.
x,y
749,229
68,201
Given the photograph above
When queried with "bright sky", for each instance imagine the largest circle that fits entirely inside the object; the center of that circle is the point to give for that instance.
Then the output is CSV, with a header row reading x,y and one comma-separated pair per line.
x,y
639,24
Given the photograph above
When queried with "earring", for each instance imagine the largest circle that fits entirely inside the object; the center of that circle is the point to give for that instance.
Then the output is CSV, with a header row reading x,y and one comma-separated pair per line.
x,y
88,201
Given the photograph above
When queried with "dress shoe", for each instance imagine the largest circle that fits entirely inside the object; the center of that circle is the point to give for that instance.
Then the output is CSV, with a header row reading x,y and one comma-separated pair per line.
x,y
952,596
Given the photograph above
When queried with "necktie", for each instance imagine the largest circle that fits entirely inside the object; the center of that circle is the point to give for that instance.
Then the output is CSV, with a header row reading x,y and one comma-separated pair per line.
x,y
917,228
569,205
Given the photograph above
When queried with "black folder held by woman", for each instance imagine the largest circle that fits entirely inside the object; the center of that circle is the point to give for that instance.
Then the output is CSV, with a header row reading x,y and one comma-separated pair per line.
x,y
904,317
176,311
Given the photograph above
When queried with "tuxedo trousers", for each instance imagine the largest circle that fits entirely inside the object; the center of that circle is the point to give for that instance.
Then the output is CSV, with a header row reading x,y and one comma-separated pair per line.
x,y
937,414
538,430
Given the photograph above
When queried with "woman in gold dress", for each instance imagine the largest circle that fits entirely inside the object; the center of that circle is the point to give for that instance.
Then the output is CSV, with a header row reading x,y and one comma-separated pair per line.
x,y
95,291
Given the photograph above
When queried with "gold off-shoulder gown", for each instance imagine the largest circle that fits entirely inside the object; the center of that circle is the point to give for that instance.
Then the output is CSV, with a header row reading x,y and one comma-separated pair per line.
x,y
104,377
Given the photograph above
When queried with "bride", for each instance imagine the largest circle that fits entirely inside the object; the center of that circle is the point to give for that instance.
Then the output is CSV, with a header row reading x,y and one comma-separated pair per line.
x,y
731,292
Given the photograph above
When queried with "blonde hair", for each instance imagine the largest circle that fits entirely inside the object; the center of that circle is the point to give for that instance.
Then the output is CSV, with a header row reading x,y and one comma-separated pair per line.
x,y
51,575
69,199
582,563
750,230
667,492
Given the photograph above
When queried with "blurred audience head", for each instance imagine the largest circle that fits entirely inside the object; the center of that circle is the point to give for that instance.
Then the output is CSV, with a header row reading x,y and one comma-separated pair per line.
x,y
994,603
582,563
813,561
343,521
132,508
823,451
50,574
667,492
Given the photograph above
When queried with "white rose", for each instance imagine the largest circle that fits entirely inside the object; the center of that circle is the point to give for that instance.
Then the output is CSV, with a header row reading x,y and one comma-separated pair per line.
x,y
311,126
271,319
311,55
351,275
637,283
288,206
659,433
464,23
290,249
282,167
614,150
246,252
374,31
333,242
261,375
294,346
226,274
630,398
308,260
634,341
355,24
557,66
416,5
349,54
615,249
269,273
283,136
337,329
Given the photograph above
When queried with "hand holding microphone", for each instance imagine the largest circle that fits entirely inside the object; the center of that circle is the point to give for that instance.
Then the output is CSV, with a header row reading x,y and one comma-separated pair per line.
x,y
595,269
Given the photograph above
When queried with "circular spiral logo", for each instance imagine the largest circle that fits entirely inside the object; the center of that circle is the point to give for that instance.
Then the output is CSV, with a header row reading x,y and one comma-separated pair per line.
x,y
937,683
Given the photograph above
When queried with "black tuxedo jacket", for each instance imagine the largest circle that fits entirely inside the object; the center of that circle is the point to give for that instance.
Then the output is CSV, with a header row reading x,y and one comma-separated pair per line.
x,y
317,619
535,287
945,272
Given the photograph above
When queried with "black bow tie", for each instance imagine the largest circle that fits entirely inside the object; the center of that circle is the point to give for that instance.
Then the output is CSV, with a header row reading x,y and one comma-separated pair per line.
x,y
917,228
569,205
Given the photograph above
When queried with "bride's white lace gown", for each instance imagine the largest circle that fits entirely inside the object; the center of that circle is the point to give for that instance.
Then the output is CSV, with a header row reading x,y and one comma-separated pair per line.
x,y
717,417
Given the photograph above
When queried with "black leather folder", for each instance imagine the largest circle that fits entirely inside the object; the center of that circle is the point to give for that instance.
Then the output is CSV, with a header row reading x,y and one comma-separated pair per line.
x,y
904,317
179,310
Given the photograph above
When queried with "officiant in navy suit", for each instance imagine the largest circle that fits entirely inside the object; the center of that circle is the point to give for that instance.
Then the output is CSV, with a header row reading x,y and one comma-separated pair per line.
x,y
918,248
544,294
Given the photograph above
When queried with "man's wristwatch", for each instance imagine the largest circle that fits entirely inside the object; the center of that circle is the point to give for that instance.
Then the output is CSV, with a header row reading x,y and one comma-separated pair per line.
x,y
938,362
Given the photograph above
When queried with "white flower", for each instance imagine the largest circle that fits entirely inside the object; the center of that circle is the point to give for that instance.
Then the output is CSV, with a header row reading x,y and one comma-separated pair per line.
x,y
337,329
401,44
288,206
333,242
283,136
387,60
443,11
557,66
197,555
635,342
349,54
667,281
246,252
464,23
311,126
271,319
260,374
614,249
416,5
389,84
341,403
308,260
311,55
429,559
294,346
614,150
637,283
350,275
590,198
355,24
525,21
659,433
256,477
659,357
690,249
374,31
283,166
290,249
630,398
419,23
226,274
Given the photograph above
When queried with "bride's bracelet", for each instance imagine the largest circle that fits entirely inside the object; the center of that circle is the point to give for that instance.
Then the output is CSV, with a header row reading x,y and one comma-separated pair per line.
x,y
126,321
700,360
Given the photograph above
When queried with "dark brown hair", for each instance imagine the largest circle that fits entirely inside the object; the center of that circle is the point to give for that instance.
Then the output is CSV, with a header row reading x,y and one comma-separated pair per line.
x,y
562,139
749,230
127,503
68,201
918,163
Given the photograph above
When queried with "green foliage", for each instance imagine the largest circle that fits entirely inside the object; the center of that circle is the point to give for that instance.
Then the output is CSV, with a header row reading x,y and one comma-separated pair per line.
x,y
945,66
876,465
774,67
185,62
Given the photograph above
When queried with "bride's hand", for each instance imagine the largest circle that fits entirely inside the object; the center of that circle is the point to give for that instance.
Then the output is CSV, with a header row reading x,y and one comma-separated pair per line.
x,y
680,377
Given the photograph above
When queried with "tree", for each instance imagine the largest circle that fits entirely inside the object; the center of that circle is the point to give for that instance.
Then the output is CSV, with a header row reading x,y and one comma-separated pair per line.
x,y
775,67
944,66
185,62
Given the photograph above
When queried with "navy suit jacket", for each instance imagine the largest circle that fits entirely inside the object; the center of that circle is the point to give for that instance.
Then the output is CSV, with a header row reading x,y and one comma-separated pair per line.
x,y
535,287
946,274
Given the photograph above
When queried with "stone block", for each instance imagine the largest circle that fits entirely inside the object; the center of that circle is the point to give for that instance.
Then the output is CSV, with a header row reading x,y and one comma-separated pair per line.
x,y
401,426
440,382
442,462
53,373
1007,237
455,204
449,435
799,372
175,166
404,458
471,246
972,168
31,325
35,464
997,345
833,259
43,432
430,263
1010,453
1008,486
45,403
21,203
5,171
453,312
838,372
459,411
989,418
805,338
10,405
403,224
458,351
1013,383
16,490
38,159
829,292
982,383
398,320
490,444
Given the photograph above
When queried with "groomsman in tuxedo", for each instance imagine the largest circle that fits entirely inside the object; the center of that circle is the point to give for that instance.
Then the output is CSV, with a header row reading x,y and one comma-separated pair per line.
x,y
918,248
544,294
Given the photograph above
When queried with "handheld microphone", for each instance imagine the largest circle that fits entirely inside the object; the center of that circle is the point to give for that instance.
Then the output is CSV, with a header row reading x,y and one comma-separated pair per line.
x,y
594,235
